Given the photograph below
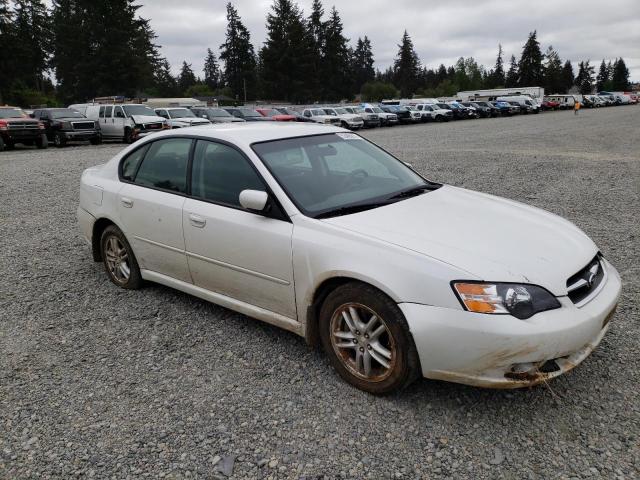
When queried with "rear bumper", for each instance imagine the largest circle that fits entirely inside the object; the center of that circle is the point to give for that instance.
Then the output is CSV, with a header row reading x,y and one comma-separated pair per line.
x,y
85,222
504,352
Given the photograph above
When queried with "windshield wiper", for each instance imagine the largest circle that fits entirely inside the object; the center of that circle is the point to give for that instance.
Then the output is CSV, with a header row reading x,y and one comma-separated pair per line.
x,y
360,207
415,191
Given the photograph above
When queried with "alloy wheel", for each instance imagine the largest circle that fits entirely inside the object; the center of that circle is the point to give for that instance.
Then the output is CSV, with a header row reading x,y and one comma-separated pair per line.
x,y
117,259
363,342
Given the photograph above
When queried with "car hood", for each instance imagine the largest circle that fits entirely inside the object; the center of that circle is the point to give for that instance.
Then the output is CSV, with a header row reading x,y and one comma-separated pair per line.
x,y
191,120
351,116
146,119
492,238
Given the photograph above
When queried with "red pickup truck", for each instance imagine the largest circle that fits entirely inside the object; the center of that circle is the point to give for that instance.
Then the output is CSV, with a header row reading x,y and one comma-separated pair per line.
x,y
17,127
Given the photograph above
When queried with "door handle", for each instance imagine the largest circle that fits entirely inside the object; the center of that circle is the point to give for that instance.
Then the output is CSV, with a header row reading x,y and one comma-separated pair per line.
x,y
197,221
126,202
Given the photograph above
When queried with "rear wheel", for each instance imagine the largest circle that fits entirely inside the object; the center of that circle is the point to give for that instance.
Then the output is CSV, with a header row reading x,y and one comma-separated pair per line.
x,y
367,339
128,135
2,145
118,258
42,142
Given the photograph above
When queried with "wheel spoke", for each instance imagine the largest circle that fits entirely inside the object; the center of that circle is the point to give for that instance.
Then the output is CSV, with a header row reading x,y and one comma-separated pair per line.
x,y
349,345
378,348
356,318
344,335
378,358
359,361
348,321
366,361
377,332
371,323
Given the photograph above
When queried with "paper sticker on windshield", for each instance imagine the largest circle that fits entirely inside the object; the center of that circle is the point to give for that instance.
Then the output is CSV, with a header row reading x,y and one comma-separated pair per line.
x,y
348,136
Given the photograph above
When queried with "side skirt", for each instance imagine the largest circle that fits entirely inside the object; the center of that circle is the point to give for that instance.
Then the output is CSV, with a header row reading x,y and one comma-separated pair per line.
x,y
267,316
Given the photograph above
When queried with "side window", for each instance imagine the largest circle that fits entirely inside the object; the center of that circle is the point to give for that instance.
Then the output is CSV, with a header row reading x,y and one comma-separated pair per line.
x,y
219,173
165,165
101,114
307,113
118,113
107,112
129,165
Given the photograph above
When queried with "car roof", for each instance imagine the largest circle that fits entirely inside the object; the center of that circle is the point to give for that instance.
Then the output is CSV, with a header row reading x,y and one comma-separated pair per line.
x,y
245,134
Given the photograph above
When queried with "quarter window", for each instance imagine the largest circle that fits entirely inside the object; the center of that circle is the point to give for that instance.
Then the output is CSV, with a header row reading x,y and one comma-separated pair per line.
x,y
130,164
165,165
220,173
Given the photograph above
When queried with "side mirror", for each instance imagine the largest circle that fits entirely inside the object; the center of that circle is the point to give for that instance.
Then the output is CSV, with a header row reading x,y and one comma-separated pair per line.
x,y
254,200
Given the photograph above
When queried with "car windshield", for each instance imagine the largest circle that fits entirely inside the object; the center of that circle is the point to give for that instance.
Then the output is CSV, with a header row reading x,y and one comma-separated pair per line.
x,y
377,110
66,113
330,111
444,105
327,175
180,113
271,112
248,112
341,111
138,110
12,113
218,112
318,112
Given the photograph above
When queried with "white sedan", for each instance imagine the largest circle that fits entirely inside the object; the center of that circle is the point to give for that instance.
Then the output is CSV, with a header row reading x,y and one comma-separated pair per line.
x,y
316,230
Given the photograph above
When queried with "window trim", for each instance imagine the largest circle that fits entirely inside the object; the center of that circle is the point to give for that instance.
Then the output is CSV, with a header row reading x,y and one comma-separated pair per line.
x,y
277,212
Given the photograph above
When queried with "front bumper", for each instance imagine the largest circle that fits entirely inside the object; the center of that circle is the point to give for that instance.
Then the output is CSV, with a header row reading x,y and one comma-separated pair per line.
x,y
80,135
500,351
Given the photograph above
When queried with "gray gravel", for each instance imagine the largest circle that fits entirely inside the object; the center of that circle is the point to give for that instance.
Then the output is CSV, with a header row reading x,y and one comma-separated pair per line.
x,y
100,382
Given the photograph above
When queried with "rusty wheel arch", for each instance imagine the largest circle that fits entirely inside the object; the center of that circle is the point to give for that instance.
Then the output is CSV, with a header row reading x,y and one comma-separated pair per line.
x,y
98,228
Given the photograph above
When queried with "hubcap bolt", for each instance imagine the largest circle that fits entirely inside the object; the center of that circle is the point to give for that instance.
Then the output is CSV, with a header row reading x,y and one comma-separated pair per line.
x,y
357,332
361,349
366,335
368,347
355,341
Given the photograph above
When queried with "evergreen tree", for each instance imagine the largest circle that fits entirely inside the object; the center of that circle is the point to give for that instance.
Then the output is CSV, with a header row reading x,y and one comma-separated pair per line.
x,y
186,78
239,57
211,71
101,48
31,43
165,83
584,79
336,60
553,82
620,77
512,77
603,79
567,76
287,58
6,41
406,67
530,65
363,63
497,77
316,30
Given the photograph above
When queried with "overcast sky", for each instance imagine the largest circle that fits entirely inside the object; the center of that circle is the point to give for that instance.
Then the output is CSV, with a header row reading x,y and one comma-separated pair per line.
x,y
442,31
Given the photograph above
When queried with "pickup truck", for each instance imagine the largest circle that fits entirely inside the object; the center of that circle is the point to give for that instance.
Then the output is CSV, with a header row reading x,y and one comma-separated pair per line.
x,y
318,115
347,120
179,117
64,125
17,127
371,119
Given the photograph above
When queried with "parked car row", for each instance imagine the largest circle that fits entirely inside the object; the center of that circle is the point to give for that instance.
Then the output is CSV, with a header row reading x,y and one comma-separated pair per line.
x,y
95,122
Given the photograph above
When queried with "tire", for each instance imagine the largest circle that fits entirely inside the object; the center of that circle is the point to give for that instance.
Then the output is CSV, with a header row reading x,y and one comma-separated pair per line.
x,y
2,145
394,345
42,142
96,141
118,259
439,118
128,136
58,140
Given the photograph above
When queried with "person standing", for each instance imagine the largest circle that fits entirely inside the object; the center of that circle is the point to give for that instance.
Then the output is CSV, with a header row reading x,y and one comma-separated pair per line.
x,y
576,107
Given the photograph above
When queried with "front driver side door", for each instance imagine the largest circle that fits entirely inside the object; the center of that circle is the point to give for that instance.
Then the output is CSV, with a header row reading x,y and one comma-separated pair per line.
x,y
232,251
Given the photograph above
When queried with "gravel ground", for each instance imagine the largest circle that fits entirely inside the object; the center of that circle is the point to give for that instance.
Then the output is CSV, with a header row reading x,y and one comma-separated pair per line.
x,y
100,382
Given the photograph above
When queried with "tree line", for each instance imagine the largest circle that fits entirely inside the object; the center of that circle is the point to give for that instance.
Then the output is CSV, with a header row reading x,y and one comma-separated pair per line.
x,y
104,47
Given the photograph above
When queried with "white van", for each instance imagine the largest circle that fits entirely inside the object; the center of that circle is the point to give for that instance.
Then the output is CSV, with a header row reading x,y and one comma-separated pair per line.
x,y
126,122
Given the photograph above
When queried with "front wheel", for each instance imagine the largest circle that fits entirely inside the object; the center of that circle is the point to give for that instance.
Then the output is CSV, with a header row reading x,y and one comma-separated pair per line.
x,y
128,136
367,339
96,140
58,140
118,258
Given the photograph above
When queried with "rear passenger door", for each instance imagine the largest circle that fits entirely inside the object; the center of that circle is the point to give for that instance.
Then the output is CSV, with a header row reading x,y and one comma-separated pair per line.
x,y
232,251
150,205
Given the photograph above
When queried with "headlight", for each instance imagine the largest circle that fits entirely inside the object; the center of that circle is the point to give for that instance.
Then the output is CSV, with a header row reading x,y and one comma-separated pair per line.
x,y
520,300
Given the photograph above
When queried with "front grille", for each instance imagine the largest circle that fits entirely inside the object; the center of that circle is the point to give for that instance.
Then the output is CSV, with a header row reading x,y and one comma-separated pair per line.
x,y
152,126
585,283
83,125
22,126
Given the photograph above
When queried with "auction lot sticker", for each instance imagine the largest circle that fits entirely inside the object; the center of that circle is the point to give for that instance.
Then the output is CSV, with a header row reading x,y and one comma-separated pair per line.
x,y
348,136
